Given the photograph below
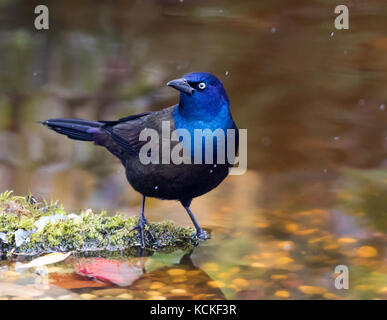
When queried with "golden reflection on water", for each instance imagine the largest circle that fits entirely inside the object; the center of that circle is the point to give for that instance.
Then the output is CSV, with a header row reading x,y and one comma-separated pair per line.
x,y
254,253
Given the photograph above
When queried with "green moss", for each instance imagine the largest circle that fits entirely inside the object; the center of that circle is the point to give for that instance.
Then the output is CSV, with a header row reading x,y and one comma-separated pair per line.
x,y
31,227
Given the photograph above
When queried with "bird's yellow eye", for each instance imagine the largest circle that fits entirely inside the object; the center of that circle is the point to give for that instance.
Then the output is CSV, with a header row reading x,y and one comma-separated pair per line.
x,y
202,85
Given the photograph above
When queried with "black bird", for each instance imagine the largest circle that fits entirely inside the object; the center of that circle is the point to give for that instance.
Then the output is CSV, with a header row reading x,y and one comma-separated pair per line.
x,y
203,105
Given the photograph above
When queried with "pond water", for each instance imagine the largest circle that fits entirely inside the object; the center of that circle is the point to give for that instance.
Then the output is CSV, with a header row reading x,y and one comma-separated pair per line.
x,y
313,99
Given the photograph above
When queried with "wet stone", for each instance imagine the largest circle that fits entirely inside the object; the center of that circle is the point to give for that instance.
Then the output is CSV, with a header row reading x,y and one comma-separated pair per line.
x,y
156,285
176,272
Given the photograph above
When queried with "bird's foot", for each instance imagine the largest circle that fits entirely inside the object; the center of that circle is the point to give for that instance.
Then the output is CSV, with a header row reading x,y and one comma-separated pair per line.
x,y
202,235
140,227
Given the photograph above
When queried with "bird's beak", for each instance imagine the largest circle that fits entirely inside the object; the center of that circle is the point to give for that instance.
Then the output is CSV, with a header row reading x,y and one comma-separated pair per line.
x,y
182,85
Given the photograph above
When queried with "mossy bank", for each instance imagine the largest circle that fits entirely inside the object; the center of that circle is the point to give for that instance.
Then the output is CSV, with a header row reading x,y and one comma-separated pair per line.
x,y
32,227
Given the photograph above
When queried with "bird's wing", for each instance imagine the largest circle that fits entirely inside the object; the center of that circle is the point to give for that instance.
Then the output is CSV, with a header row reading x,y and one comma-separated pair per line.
x,y
126,131
128,118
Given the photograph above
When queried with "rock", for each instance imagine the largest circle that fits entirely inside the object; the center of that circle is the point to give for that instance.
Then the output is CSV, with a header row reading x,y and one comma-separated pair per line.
x,y
58,232
43,221
22,237
76,218
3,237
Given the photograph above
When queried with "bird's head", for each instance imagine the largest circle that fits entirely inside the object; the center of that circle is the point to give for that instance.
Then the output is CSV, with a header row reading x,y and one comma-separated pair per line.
x,y
202,95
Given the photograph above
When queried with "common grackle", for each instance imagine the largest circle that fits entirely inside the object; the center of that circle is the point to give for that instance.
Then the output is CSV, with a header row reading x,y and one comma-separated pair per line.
x,y
203,105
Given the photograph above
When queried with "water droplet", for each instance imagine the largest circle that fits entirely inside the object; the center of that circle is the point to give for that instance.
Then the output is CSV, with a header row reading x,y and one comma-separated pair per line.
x,y
345,51
214,165
35,74
181,1
211,171
156,187
337,138
332,34
325,170
226,73
273,30
382,107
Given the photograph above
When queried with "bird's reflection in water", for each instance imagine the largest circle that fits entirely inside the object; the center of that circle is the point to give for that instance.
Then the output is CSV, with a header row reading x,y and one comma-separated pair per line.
x,y
115,279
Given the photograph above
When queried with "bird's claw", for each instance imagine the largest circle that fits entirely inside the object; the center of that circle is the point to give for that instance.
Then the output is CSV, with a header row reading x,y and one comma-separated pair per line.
x,y
140,227
202,235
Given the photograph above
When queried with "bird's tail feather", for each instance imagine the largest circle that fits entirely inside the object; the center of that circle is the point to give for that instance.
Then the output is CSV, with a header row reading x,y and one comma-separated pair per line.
x,y
76,129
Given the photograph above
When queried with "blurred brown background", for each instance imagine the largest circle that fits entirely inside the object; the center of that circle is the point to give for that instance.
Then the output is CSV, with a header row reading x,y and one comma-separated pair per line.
x,y
312,97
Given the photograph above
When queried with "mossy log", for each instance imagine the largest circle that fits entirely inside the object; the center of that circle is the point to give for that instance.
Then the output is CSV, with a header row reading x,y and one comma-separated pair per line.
x,y
29,227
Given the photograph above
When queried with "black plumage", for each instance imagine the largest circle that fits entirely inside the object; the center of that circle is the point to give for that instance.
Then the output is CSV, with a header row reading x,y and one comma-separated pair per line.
x,y
181,182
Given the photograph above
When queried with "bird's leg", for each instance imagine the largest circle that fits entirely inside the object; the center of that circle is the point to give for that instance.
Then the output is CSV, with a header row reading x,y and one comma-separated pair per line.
x,y
140,226
199,231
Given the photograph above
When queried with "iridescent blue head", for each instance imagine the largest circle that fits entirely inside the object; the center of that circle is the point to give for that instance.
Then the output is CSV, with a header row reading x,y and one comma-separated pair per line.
x,y
202,96
203,105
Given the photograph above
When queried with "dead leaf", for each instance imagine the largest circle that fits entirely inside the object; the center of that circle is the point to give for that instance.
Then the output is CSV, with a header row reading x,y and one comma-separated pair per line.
x,y
42,261
113,271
